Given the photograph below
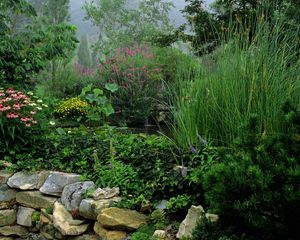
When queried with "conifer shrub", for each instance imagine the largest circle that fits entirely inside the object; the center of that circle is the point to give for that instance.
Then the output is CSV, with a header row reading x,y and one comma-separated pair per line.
x,y
256,188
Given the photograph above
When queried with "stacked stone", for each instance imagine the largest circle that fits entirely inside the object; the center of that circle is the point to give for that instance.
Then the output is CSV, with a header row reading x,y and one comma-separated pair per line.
x,y
51,205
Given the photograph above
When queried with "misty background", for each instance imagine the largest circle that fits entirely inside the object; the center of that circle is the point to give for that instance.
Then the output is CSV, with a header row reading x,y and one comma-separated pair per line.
x,y
86,27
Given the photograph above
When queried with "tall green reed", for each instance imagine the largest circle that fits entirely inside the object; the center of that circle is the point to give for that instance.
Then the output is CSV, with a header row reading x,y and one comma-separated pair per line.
x,y
246,76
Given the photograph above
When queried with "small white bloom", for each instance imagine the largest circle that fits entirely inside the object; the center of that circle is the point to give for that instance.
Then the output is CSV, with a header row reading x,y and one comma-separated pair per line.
x,y
52,123
45,105
69,131
30,93
39,108
39,100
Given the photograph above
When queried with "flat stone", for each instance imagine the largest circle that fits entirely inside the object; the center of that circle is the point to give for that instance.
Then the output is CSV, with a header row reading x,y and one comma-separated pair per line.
x,y
105,193
6,238
4,176
35,199
73,194
7,197
14,230
8,217
188,225
56,182
27,180
24,216
65,223
90,208
121,219
108,234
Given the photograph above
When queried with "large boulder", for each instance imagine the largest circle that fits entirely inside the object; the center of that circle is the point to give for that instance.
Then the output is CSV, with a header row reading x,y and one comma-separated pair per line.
x,y
65,223
73,194
108,234
14,230
35,199
24,215
121,219
90,208
4,176
56,182
188,225
7,197
8,217
27,180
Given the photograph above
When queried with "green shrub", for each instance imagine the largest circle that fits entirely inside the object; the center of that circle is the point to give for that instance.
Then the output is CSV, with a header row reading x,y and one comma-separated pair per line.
x,y
256,186
138,76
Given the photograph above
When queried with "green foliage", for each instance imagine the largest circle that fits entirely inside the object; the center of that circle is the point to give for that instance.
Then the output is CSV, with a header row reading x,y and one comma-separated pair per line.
x,y
178,203
239,80
158,219
100,107
35,217
255,187
144,233
24,53
206,230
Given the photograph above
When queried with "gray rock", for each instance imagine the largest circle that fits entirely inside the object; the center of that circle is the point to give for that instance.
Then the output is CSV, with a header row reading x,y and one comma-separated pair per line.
x,y
8,217
65,223
14,230
73,194
188,225
35,199
4,176
90,208
212,217
121,219
104,193
24,216
27,180
162,204
7,197
56,182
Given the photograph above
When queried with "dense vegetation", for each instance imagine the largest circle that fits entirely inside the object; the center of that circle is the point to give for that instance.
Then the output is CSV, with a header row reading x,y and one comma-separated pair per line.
x,y
229,97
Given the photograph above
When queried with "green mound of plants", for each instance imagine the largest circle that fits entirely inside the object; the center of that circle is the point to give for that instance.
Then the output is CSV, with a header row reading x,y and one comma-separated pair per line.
x,y
255,187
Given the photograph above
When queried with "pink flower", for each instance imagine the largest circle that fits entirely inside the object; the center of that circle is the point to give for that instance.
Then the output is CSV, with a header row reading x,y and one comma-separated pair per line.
x,y
16,106
32,112
12,115
10,91
27,124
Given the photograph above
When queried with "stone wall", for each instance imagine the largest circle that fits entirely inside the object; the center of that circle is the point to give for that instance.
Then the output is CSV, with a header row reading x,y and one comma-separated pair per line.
x,y
57,205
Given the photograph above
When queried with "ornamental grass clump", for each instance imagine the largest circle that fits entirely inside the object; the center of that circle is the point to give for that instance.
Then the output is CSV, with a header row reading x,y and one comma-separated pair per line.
x,y
19,115
72,108
246,76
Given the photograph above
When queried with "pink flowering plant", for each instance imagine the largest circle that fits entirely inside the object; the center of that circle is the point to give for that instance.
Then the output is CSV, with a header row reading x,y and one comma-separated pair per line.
x,y
138,75
19,114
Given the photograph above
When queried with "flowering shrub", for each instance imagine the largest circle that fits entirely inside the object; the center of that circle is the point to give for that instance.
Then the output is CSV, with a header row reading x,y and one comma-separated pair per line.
x,y
72,107
18,113
138,76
